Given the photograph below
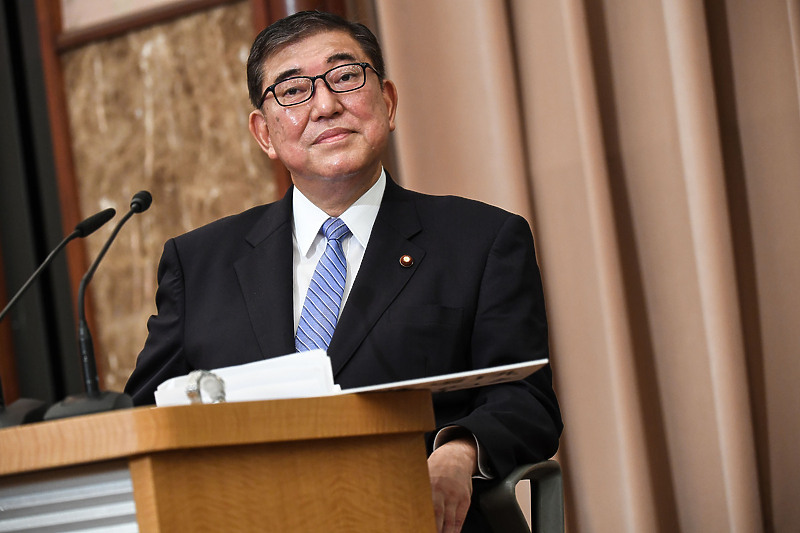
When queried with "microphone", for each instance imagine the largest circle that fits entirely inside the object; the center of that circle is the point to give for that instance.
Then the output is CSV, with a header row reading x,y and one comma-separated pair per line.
x,y
93,400
83,229
26,410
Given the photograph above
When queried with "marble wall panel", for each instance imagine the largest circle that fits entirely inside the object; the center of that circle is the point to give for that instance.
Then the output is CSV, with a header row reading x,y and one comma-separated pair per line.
x,y
163,109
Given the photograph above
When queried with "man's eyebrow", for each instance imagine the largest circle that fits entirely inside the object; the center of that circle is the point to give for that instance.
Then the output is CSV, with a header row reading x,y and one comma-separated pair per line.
x,y
339,56
286,74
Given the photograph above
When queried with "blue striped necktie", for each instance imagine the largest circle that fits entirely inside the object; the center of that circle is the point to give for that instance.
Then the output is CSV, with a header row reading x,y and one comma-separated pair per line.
x,y
324,297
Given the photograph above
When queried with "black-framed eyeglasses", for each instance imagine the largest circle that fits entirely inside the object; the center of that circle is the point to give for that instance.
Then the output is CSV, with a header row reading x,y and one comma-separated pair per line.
x,y
299,89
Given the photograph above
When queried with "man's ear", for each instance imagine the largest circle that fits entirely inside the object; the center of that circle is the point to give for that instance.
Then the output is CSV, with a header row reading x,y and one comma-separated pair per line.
x,y
390,98
260,132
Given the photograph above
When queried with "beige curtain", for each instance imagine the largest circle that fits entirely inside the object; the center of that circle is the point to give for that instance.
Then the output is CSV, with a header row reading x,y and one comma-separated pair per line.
x,y
655,148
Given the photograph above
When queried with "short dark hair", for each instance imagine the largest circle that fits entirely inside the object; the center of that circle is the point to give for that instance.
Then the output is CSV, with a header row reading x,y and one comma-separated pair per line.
x,y
299,26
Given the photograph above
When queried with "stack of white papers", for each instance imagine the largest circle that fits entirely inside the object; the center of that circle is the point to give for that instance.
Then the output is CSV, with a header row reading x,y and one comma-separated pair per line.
x,y
299,375
309,375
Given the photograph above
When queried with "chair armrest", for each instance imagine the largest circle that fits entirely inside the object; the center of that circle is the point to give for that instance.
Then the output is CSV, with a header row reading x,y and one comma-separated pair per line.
x,y
500,507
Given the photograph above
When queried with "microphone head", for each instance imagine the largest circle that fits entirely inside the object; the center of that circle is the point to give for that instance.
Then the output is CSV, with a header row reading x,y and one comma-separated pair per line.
x,y
141,201
94,222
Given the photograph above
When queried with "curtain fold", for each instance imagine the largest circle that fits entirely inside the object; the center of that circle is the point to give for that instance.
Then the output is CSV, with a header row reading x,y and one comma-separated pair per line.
x,y
438,88
636,480
698,134
656,144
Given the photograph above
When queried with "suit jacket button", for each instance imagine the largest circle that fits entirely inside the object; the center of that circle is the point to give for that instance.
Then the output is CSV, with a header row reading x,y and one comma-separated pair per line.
x,y
406,261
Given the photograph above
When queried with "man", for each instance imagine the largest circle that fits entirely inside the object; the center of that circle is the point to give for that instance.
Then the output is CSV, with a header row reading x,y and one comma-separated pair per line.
x,y
394,284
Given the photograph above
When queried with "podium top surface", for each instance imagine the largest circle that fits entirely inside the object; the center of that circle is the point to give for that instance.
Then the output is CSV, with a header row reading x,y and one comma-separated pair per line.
x,y
143,430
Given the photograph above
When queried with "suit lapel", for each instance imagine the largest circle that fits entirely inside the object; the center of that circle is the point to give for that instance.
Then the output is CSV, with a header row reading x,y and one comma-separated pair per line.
x,y
265,276
381,276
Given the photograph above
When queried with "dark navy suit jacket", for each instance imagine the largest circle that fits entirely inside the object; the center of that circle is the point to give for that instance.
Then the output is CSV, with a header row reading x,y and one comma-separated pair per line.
x,y
472,299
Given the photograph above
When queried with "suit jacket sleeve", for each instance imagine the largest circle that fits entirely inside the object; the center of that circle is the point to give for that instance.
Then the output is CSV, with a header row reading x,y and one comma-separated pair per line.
x,y
519,422
162,357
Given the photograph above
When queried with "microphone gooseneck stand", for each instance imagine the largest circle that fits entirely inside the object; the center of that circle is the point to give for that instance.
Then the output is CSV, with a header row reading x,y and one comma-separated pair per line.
x,y
26,410
93,400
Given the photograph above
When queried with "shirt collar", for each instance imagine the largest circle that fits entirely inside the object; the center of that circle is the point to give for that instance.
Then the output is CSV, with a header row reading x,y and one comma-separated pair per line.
x,y
359,217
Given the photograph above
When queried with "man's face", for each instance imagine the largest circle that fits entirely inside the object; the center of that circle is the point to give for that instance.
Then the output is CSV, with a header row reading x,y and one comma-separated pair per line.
x,y
332,137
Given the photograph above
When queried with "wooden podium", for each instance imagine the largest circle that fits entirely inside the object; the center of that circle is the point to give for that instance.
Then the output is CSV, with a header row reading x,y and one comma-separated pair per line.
x,y
347,463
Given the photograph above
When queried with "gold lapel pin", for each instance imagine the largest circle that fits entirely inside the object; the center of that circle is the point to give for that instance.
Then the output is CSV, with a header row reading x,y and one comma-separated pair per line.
x,y
406,261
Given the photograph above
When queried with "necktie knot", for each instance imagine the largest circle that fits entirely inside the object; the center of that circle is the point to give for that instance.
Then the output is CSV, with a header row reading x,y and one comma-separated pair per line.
x,y
335,229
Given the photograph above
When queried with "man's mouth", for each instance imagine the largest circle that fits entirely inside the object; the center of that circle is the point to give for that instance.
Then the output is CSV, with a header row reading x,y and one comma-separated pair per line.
x,y
332,135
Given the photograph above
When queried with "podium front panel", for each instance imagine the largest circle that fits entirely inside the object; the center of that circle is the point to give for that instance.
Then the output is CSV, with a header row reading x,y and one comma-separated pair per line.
x,y
337,464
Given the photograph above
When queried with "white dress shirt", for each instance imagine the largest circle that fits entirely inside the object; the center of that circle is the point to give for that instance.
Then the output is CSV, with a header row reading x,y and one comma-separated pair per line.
x,y
308,242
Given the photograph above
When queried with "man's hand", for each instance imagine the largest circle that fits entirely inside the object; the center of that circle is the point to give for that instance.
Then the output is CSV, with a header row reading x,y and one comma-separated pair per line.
x,y
451,467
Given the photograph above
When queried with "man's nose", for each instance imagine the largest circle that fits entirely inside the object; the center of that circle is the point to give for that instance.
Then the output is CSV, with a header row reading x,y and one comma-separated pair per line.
x,y
324,102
